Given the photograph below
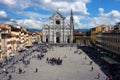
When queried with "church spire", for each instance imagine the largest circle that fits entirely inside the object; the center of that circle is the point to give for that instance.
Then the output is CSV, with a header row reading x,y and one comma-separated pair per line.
x,y
71,27
71,20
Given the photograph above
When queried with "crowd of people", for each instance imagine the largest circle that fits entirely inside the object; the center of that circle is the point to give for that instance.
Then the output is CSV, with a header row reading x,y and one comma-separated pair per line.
x,y
53,61
6,61
9,63
26,61
40,56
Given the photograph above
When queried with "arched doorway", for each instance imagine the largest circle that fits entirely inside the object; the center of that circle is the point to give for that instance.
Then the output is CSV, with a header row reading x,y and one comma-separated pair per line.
x,y
68,39
57,37
46,38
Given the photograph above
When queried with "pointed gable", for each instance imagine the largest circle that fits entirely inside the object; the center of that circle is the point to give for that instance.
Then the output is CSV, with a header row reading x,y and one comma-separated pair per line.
x,y
57,15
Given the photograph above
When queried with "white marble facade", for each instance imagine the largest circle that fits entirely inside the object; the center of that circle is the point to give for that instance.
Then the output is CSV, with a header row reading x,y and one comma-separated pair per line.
x,y
57,31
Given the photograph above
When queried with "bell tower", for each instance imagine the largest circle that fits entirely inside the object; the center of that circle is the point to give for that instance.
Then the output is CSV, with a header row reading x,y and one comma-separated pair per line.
x,y
71,26
72,21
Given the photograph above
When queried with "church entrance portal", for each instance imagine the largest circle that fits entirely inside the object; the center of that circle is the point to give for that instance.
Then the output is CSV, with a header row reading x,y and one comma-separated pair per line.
x,y
68,40
57,39
46,40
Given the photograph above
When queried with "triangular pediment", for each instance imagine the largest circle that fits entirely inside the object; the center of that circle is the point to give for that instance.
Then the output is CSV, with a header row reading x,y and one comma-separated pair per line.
x,y
57,15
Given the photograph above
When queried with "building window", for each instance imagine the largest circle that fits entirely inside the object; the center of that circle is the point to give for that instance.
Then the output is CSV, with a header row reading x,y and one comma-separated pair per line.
x,y
57,22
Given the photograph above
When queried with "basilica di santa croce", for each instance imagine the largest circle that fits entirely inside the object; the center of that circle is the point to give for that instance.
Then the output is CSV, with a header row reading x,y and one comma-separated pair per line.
x,y
58,31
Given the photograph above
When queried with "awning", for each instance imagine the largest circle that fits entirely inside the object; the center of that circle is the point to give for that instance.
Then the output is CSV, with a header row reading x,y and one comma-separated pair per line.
x,y
109,60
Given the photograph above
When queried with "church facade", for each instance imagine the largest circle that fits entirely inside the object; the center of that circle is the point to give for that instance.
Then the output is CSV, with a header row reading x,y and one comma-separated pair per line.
x,y
58,31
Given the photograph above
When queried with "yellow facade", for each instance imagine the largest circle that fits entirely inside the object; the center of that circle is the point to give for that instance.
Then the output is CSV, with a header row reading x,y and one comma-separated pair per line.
x,y
95,31
13,38
24,37
5,40
81,38
10,39
36,37
15,32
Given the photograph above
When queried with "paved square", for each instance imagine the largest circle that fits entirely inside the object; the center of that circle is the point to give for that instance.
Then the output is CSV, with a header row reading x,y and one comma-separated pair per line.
x,y
74,67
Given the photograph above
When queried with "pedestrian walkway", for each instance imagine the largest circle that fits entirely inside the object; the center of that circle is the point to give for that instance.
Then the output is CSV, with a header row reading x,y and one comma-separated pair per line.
x,y
74,67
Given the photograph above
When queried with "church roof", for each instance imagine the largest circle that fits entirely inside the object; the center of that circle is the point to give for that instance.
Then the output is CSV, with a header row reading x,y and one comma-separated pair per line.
x,y
58,14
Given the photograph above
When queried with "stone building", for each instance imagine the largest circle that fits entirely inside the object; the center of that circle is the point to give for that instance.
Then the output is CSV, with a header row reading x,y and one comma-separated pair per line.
x,y
111,41
58,31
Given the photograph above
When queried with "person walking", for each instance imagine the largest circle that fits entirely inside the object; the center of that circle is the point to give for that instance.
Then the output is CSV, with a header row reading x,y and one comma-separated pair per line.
x,y
92,68
20,70
36,70
4,70
98,75
91,62
10,77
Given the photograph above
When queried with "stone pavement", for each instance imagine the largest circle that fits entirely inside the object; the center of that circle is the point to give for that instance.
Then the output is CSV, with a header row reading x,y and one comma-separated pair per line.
x,y
74,67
